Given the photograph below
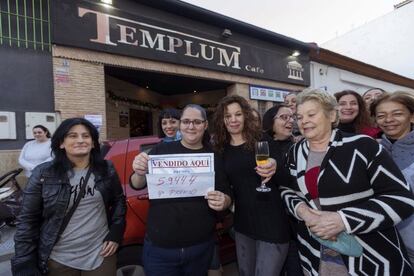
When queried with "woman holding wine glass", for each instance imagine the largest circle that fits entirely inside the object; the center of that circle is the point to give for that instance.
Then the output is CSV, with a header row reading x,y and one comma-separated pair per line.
x,y
260,221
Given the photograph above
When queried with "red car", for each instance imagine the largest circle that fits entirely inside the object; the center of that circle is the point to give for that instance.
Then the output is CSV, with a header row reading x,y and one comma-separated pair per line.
x,y
122,153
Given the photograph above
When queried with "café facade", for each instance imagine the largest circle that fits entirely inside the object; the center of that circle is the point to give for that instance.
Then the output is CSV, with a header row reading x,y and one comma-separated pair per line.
x,y
119,64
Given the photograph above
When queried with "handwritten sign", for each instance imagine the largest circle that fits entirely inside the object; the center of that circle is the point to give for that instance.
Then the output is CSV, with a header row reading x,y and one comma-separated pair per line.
x,y
179,185
180,175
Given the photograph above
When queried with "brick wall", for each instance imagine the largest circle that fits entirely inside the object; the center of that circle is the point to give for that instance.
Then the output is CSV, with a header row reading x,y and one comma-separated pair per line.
x,y
79,89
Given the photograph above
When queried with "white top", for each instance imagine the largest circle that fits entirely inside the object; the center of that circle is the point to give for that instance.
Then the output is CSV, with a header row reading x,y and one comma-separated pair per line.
x,y
33,154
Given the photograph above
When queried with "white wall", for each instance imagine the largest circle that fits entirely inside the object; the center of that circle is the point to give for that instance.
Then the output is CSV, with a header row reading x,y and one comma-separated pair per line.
x,y
333,80
386,42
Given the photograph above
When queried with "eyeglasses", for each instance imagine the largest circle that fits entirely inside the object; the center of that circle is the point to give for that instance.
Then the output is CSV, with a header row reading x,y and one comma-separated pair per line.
x,y
196,122
285,117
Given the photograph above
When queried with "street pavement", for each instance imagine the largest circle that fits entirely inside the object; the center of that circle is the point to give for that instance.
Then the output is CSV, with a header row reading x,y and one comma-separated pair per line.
x,y
5,268
7,251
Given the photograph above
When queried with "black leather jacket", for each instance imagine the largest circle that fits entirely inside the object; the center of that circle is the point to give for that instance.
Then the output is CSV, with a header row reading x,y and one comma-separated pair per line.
x,y
45,200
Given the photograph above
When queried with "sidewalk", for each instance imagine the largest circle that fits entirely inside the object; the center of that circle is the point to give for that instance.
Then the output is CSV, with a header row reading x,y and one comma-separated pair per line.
x,y
6,249
5,268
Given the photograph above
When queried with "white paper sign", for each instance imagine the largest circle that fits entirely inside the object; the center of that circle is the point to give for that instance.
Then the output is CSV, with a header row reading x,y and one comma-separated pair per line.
x,y
179,185
96,120
180,175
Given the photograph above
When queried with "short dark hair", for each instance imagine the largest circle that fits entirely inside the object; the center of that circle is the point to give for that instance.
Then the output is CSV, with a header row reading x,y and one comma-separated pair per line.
x,y
61,163
169,113
42,127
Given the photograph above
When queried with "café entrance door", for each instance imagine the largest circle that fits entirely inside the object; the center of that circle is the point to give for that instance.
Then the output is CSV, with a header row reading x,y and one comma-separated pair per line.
x,y
140,122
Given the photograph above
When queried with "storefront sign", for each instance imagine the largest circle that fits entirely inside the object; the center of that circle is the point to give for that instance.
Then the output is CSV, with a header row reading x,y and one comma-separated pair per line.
x,y
62,73
135,33
96,120
267,94
180,175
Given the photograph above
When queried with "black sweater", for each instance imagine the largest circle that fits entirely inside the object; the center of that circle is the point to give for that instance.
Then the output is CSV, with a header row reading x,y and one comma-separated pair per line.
x,y
182,222
260,216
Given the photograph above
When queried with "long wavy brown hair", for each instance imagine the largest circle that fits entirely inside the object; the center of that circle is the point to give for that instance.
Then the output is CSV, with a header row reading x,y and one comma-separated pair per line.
x,y
362,120
251,132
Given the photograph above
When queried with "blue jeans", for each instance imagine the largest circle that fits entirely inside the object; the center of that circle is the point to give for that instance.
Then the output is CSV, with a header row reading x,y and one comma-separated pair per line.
x,y
186,261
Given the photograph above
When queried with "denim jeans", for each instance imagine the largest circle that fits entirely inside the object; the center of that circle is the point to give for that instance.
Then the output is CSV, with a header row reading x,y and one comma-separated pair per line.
x,y
186,261
259,258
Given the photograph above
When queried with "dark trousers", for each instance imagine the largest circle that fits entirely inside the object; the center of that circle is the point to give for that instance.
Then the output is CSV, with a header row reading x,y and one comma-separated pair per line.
x,y
186,261
292,265
107,268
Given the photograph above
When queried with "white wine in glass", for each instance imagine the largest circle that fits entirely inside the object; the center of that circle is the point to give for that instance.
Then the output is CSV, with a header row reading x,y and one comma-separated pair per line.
x,y
262,157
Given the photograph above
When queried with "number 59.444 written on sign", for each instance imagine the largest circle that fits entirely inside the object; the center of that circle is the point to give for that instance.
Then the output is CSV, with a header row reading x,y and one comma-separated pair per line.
x,y
182,185
177,180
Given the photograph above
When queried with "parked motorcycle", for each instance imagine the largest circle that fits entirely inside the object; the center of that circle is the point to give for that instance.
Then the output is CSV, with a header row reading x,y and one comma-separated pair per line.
x,y
10,198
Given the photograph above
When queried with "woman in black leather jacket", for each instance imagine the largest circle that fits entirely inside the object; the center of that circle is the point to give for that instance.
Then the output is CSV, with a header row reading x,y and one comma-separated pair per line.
x,y
94,231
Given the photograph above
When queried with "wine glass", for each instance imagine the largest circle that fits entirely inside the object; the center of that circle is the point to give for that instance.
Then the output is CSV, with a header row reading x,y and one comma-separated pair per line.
x,y
262,157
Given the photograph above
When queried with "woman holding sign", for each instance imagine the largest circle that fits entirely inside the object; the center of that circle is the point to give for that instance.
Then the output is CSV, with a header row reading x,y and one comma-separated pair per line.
x,y
260,222
180,231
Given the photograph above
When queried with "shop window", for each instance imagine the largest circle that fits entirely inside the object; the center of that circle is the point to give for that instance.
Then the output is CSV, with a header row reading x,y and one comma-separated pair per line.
x,y
25,24
261,106
140,122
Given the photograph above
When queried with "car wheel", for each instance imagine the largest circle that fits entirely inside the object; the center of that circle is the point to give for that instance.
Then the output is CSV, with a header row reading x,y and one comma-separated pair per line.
x,y
130,270
130,261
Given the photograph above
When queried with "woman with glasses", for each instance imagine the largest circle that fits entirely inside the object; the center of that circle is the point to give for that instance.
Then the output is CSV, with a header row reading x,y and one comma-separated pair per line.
x,y
260,223
180,231
290,101
72,218
278,123
394,114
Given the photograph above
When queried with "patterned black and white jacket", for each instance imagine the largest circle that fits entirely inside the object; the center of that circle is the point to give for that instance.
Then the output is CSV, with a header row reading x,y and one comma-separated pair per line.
x,y
360,181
